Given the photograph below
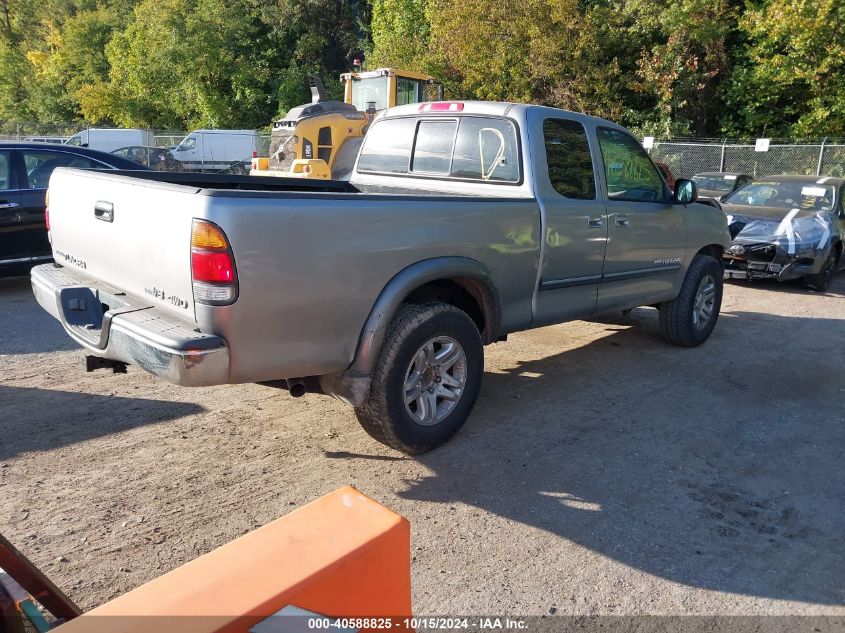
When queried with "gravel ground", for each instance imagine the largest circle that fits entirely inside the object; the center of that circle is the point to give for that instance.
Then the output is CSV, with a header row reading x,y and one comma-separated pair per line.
x,y
603,471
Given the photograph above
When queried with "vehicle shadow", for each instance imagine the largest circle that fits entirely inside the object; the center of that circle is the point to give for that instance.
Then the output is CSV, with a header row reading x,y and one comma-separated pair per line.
x,y
27,328
795,286
725,473
37,419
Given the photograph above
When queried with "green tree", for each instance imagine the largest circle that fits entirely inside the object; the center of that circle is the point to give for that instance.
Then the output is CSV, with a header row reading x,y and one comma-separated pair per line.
x,y
790,79
400,34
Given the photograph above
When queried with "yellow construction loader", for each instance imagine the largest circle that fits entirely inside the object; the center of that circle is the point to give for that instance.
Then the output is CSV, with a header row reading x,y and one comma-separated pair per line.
x,y
321,139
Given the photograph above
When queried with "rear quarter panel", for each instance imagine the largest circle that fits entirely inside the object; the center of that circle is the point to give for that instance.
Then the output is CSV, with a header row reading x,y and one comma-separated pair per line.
x,y
310,268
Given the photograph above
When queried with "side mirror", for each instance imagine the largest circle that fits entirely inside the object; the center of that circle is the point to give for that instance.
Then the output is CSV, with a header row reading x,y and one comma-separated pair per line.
x,y
686,192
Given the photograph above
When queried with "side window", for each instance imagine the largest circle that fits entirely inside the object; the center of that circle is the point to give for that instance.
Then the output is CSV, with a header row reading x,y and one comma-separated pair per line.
x,y
486,149
5,171
387,147
568,157
40,165
433,147
629,171
188,144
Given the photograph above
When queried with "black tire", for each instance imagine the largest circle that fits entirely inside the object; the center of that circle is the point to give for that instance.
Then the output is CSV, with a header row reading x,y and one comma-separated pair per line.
x,y
384,415
821,280
678,317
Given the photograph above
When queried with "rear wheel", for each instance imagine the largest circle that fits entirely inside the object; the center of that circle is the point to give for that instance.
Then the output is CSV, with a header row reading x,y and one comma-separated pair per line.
x,y
821,280
426,380
690,317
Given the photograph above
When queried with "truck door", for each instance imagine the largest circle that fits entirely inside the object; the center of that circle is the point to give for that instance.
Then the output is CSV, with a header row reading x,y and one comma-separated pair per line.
x,y
646,232
13,241
574,226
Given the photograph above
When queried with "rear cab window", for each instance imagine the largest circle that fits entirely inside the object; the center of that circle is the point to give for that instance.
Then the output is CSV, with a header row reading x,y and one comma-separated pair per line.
x,y
569,160
461,148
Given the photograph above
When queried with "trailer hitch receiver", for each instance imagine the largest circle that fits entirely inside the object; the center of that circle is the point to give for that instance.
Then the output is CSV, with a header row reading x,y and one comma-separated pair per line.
x,y
93,363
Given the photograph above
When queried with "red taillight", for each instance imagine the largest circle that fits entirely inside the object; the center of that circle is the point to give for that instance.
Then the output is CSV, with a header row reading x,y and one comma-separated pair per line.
x,y
442,106
47,217
213,270
212,267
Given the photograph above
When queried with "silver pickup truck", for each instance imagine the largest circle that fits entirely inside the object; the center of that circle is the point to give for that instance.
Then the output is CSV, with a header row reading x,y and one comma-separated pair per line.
x,y
461,222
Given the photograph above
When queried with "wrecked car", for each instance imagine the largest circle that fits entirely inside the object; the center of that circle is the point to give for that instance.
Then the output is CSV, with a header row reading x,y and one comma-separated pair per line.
x,y
786,227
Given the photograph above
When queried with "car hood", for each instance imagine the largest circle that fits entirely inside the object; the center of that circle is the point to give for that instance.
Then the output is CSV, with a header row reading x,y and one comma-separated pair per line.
x,y
800,232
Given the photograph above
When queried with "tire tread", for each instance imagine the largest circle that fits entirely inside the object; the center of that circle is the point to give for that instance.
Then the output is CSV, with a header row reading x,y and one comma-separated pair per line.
x,y
675,325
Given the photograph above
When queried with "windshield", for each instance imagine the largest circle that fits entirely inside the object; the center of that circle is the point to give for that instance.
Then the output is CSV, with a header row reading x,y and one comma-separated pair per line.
x,y
715,183
784,195
365,91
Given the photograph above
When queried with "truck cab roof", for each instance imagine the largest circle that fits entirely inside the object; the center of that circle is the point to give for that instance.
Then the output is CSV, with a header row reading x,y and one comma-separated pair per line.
x,y
490,108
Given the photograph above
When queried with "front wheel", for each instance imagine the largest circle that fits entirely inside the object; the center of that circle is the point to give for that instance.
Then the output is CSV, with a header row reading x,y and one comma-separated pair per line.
x,y
426,380
689,318
821,280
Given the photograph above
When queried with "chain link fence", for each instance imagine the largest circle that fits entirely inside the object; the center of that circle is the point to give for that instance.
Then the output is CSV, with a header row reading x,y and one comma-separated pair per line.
x,y
687,157
232,150
166,150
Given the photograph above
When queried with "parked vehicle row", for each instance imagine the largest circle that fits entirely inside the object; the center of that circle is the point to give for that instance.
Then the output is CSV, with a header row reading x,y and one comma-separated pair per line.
x,y
461,223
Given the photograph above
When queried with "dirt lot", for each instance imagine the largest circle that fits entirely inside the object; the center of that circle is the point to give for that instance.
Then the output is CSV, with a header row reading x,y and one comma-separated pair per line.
x,y
603,471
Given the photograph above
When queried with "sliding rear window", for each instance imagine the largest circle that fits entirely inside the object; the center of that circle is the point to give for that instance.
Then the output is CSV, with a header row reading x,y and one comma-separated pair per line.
x,y
465,148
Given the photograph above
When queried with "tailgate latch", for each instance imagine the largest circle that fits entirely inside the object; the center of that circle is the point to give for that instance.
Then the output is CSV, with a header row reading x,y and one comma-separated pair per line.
x,y
104,211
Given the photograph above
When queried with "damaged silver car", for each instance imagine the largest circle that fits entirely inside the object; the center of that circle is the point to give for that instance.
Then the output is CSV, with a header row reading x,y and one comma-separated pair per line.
x,y
786,227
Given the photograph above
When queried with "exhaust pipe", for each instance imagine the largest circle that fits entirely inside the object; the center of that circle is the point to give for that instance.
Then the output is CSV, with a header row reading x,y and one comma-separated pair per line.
x,y
297,387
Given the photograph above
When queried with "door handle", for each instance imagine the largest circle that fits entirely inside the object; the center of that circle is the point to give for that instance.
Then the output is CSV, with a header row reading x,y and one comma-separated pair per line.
x,y
8,205
622,220
104,211
595,223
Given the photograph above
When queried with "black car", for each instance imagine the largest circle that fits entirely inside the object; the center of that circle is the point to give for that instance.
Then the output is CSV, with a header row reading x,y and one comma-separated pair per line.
x,y
786,227
25,170
715,184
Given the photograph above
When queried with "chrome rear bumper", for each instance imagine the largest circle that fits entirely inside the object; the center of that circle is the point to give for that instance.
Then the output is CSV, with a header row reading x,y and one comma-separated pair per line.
x,y
111,325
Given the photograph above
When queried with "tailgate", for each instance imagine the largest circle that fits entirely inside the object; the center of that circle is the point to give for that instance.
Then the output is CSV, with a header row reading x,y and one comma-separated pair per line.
x,y
132,234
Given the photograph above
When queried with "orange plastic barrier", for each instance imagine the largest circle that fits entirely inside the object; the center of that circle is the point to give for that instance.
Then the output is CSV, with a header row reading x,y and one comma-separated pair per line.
x,y
343,556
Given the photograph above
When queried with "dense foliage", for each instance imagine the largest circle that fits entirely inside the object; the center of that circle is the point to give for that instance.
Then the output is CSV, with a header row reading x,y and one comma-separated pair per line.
x,y
682,67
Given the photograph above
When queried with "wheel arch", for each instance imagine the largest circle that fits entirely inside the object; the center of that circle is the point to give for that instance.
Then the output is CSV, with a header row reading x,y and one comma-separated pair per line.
x,y
460,281
716,251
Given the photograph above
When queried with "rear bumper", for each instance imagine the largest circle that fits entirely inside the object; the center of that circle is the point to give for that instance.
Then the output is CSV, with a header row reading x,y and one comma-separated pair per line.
x,y
111,325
